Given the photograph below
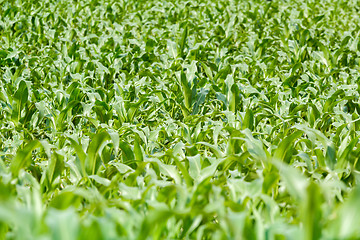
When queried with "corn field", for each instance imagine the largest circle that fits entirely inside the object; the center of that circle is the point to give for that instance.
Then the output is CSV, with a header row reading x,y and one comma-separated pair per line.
x,y
208,119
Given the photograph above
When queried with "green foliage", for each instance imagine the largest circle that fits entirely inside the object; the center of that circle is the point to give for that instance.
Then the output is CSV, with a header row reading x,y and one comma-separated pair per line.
x,y
179,119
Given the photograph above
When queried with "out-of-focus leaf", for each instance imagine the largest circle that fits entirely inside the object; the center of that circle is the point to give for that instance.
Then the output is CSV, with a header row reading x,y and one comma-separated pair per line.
x,y
311,212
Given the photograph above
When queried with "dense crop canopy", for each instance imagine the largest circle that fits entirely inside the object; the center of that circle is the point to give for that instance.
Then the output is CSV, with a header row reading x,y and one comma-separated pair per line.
x,y
214,119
